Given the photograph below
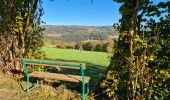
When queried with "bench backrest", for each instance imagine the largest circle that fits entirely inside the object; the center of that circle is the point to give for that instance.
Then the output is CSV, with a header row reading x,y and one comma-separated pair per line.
x,y
58,64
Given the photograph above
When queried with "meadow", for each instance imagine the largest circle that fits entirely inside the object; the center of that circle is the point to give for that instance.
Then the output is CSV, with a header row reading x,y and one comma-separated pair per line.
x,y
96,62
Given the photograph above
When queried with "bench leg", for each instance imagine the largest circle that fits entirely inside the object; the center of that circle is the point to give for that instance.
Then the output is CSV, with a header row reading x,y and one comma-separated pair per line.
x,y
37,83
83,83
88,88
27,78
83,91
28,84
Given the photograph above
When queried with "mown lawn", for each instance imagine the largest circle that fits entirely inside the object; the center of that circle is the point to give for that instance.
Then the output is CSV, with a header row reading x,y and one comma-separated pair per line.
x,y
97,62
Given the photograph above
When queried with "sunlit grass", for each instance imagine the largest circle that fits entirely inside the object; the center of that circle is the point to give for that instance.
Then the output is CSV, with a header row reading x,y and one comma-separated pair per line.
x,y
96,62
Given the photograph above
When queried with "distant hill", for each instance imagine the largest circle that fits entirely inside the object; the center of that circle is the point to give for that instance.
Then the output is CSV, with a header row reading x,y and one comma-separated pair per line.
x,y
78,33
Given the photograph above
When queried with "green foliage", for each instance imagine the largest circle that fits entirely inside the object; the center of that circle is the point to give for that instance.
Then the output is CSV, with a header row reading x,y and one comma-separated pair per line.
x,y
111,83
19,24
141,54
20,31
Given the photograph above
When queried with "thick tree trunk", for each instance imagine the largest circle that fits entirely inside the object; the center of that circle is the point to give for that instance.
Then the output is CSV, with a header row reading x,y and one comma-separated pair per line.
x,y
14,33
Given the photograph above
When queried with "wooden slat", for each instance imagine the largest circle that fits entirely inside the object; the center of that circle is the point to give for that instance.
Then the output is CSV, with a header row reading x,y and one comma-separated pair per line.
x,y
60,77
55,61
68,67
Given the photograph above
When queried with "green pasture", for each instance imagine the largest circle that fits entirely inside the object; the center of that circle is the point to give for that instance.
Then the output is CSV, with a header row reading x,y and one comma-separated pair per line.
x,y
96,62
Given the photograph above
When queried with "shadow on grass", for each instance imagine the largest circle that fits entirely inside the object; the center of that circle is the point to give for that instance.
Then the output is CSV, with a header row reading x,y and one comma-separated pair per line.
x,y
94,71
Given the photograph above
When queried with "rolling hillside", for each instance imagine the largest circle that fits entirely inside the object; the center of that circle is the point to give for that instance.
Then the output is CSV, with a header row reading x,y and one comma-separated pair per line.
x,y
78,33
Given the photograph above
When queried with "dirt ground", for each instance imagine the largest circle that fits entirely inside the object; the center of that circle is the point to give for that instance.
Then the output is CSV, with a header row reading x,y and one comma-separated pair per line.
x,y
10,89
7,91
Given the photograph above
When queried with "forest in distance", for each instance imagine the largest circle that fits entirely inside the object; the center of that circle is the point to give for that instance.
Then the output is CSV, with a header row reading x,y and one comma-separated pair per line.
x,y
77,33
88,38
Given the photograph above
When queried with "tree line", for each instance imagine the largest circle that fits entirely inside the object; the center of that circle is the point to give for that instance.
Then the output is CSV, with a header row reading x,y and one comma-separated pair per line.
x,y
90,45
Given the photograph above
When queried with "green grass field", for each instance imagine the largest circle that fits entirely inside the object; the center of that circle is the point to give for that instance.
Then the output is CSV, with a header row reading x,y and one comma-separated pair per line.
x,y
97,62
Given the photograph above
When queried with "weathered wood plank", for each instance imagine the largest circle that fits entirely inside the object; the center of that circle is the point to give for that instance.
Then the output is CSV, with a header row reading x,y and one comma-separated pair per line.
x,y
60,77
55,61
69,67
48,65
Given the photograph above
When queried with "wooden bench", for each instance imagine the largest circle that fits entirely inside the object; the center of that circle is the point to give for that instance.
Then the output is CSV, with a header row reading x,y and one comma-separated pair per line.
x,y
57,76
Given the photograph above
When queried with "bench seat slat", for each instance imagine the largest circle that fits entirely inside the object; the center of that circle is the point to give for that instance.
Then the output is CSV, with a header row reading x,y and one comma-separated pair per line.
x,y
60,77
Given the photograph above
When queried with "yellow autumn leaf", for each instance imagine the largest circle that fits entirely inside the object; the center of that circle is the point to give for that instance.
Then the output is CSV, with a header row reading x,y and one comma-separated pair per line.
x,y
19,18
151,58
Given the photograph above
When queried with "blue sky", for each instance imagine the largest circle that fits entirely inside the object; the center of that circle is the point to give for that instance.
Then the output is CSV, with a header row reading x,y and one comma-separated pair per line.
x,y
81,12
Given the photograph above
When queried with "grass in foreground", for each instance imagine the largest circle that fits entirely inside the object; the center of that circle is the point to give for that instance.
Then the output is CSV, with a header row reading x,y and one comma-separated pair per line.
x,y
97,62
